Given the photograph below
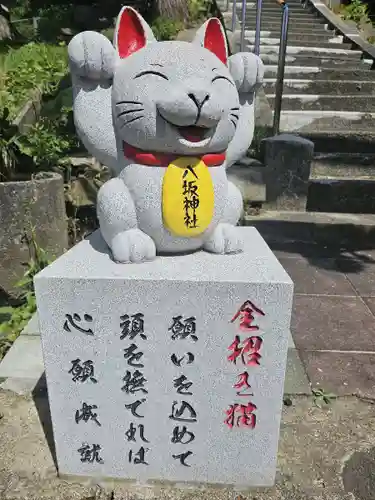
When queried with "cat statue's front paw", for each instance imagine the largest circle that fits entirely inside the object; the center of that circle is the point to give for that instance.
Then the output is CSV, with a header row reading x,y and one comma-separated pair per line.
x,y
224,239
92,56
133,245
247,71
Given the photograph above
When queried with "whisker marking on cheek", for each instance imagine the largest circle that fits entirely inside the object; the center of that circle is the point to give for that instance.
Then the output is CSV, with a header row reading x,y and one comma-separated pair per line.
x,y
234,115
129,111
132,120
128,102
234,123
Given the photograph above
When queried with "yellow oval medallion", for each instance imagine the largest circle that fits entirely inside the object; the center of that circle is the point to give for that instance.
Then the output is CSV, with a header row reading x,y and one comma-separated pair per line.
x,y
188,197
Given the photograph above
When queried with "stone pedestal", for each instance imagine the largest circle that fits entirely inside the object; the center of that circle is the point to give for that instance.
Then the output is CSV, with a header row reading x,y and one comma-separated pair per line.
x,y
287,160
39,204
153,371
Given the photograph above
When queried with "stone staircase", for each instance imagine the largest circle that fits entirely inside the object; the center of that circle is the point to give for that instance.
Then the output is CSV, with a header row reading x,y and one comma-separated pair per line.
x,y
329,97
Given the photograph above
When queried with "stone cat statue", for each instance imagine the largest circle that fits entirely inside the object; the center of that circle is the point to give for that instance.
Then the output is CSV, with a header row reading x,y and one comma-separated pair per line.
x,y
168,118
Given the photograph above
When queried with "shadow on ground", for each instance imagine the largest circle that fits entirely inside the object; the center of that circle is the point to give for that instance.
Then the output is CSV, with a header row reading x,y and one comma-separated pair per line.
x,y
40,397
359,475
347,247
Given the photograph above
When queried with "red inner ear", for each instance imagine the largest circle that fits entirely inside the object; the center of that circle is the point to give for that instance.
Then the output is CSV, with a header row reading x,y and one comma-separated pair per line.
x,y
130,35
214,40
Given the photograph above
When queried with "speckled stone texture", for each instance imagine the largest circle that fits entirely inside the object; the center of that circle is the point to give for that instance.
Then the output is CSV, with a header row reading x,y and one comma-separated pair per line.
x,y
210,288
140,98
288,163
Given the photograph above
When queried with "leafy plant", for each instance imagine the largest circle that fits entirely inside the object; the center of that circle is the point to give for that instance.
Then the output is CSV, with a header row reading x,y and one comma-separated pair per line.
x,y
320,397
45,145
260,132
109,33
165,29
356,11
32,66
198,9
19,316
53,137
9,147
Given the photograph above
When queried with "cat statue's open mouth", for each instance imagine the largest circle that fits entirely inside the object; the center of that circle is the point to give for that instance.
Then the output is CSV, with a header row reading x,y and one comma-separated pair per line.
x,y
193,133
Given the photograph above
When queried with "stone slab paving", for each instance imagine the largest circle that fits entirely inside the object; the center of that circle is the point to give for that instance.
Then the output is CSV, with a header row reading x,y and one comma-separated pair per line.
x,y
324,454
333,321
32,327
24,359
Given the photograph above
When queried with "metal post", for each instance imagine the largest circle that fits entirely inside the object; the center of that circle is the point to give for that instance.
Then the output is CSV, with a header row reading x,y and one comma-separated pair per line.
x,y
257,28
280,70
227,7
234,15
243,22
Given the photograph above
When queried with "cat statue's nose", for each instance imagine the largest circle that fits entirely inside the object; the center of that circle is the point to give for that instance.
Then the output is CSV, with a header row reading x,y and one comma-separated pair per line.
x,y
199,98
191,104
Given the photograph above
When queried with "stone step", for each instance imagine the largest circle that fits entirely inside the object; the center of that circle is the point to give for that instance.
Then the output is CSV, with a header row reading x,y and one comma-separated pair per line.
x,y
303,38
296,32
285,227
321,86
341,189
24,360
336,43
342,140
272,3
343,165
247,175
332,53
318,122
269,6
275,25
274,10
291,3
276,15
252,5
315,61
316,102
307,61
297,72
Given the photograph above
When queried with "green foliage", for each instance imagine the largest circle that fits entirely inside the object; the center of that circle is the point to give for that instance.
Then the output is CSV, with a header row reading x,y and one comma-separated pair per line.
x,y
198,9
47,143
165,29
32,66
19,316
260,132
9,146
45,146
19,9
356,11
320,397
52,20
109,33
54,136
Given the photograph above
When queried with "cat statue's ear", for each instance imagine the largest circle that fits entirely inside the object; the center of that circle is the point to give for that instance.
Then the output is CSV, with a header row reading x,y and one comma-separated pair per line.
x,y
211,36
132,32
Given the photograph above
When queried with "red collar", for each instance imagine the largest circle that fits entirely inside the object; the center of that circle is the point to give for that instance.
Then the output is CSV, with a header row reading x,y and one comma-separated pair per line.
x,y
163,160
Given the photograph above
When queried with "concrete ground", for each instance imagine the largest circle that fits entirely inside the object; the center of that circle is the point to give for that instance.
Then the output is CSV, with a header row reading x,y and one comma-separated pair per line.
x,y
331,260
324,453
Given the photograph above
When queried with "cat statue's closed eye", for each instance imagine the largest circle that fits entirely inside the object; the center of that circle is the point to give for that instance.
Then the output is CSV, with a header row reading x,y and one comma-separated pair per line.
x,y
168,118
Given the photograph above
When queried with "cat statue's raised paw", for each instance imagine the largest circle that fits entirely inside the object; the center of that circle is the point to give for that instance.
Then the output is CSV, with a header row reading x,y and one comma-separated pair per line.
x,y
168,118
